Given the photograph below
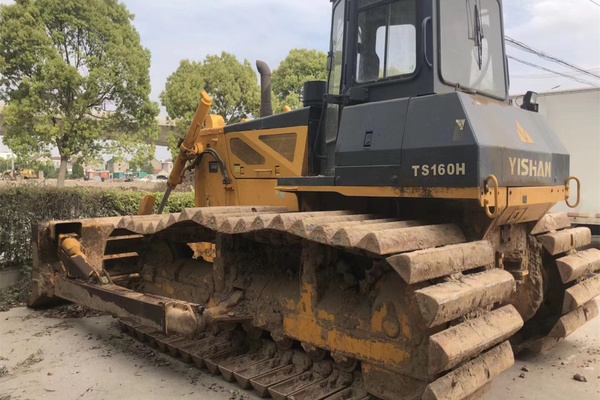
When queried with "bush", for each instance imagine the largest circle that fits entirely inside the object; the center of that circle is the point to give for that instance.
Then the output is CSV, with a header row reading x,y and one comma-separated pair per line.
x,y
25,205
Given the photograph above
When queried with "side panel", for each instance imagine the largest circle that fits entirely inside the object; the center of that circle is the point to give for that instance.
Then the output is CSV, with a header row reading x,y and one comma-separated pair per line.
x,y
369,142
515,145
254,160
268,154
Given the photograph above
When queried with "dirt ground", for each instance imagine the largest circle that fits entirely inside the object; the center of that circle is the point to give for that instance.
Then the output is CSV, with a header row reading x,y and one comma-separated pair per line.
x,y
48,355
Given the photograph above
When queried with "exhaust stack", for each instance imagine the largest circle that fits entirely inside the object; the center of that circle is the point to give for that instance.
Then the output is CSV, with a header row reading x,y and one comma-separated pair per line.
x,y
266,105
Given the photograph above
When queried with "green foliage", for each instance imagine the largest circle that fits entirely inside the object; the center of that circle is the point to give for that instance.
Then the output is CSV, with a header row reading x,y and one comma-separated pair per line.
x,y
48,168
24,205
148,168
299,67
77,172
61,62
233,87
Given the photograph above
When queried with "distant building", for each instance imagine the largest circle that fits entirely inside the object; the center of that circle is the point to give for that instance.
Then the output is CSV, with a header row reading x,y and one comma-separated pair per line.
x,y
167,166
56,162
117,168
157,165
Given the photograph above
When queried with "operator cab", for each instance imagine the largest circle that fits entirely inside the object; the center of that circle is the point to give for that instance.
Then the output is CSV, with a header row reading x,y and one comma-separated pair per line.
x,y
388,49
385,53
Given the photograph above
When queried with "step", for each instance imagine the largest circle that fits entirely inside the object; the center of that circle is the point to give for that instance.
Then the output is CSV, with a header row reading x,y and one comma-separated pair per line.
x,y
578,265
450,300
392,241
578,295
424,265
472,376
568,239
452,346
569,323
551,222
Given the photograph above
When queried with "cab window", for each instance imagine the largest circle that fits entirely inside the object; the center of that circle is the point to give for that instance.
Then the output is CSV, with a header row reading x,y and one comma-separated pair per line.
x,y
387,40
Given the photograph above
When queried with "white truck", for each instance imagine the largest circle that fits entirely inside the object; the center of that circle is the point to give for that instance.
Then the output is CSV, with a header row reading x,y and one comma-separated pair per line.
x,y
575,116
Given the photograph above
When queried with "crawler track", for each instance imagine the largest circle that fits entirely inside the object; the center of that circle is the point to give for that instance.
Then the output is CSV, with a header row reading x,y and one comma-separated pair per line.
x,y
334,304
258,364
461,298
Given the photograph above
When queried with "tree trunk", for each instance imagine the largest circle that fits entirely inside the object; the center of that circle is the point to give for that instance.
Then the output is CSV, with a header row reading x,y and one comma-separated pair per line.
x,y
62,172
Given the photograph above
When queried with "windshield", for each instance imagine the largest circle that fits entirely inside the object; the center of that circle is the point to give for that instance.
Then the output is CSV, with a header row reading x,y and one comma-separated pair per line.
x,y
471,45
387,40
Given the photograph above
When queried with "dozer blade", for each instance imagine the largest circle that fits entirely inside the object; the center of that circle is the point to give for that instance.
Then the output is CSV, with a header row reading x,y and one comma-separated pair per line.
x,y
578,265
568,239
472,376
447,301
578,295
449,348
424,265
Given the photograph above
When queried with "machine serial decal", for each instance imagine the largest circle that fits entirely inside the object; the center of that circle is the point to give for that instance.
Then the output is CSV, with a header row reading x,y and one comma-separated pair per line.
x,y
440,169
528,167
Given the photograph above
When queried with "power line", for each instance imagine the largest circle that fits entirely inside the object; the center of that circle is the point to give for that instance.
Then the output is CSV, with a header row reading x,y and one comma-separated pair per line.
x,y
592,1
549,75
552,71
529,49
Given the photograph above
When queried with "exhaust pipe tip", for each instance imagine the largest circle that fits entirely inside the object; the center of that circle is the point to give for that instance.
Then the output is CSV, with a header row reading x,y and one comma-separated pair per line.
x,y
266,104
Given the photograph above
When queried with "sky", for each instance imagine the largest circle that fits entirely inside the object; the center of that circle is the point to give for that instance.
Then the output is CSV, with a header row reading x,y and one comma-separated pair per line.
x,y
267,29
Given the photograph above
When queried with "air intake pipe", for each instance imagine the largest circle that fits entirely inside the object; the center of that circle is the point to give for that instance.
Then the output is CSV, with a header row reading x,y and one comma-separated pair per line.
x,y
266,105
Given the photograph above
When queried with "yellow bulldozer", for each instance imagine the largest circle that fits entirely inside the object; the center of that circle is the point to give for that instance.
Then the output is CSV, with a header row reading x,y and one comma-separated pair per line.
x,y
19,174
392,239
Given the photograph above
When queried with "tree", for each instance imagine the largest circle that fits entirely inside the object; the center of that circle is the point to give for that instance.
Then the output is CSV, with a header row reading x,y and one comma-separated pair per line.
x,y
148,169
299,67
232,85
62,63
77,172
